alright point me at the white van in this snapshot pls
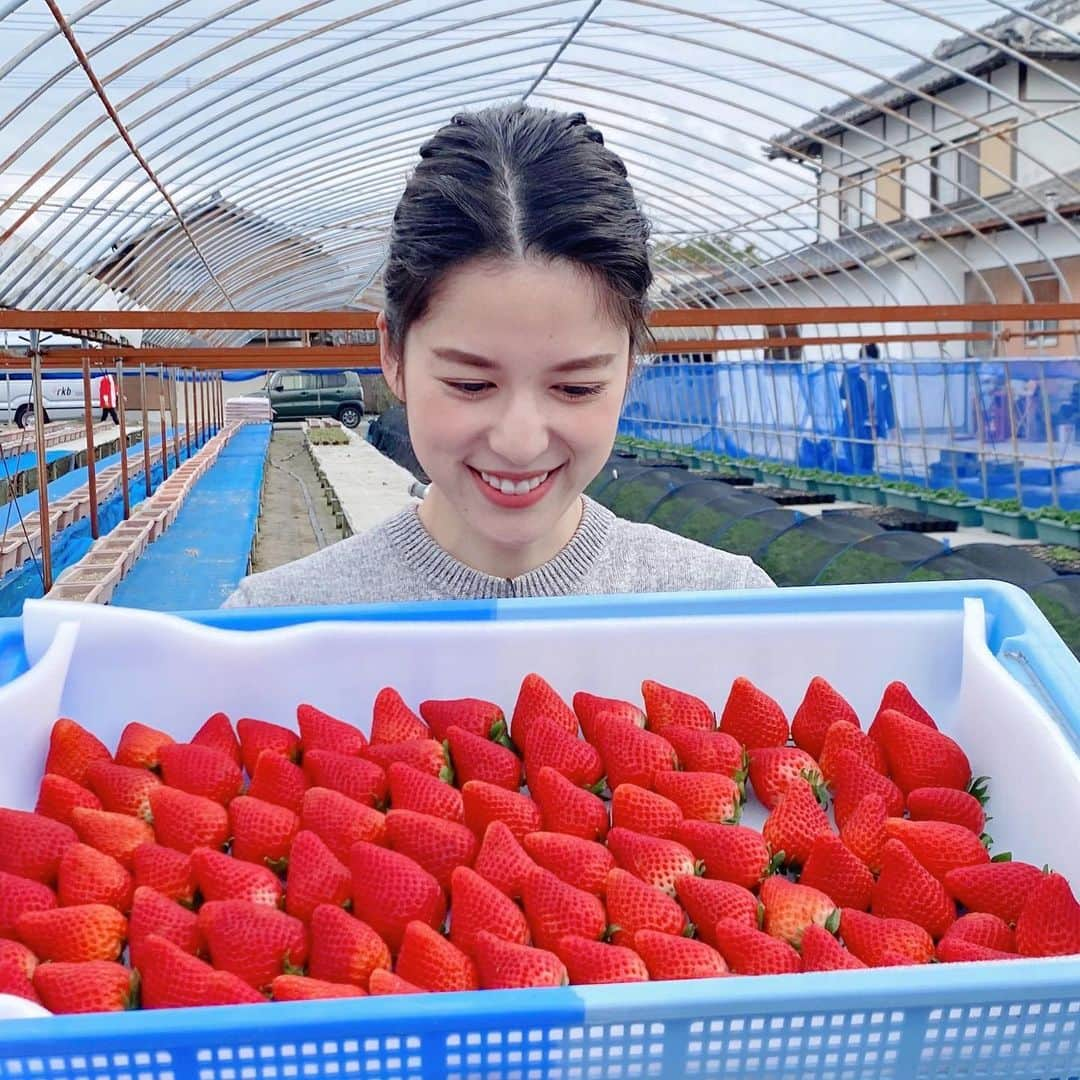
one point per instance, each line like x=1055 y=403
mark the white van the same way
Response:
x=62 y=396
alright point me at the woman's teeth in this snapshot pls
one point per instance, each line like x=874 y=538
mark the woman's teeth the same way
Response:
x=510 y=487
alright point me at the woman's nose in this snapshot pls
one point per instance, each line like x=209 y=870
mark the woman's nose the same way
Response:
x=519 y=433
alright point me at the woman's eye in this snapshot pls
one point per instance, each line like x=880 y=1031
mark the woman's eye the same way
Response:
x=577 y=390
x=470 y=387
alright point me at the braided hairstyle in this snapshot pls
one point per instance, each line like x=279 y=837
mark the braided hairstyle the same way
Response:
x=512 y=182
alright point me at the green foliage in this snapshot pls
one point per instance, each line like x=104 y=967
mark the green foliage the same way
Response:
x=1057 y=515
x=711 y=249
x=327 y=436
x=1005 y=506
x=951 y=496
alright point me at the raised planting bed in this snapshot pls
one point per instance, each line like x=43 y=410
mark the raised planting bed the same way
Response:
x=896 y=517
x=787 y=497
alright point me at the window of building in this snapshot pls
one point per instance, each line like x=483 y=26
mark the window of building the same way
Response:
x=782 y=352
x=857 y=200
x=889 y=191
x=1043 y=333
x=978 y=166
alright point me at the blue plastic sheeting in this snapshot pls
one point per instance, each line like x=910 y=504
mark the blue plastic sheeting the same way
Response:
x=17 y=463
x=200 y=558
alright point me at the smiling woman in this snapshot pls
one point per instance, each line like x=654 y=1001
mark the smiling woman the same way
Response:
x=516 y=286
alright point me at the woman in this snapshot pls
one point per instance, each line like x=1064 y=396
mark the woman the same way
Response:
x=516 y=284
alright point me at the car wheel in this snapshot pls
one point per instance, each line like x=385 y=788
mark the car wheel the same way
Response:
x=349 y=415
x=24 y=416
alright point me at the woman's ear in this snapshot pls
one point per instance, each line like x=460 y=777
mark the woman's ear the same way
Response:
x=389 y=360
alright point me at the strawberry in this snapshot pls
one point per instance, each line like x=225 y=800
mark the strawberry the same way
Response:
x=502 y=861
x=435 y=844
x=582 y=863
x=19 y=894
x=821 y=707
x=390 y=891
x=839 y=873
x=502 y=965
x=953 y=950
x=591 y=962
x=863 y=833
x=822 y=952
x=640 y=810
x=220 y=877
x=795 y=823
x=752 y=717
x=1049 y=922
x=478 y=905
x=259 y=735
x=343 y=949
x=361 y=780
x=947 y=804
x=632 y=755
x=165 y=871
x=31 y=845
x=17 y=964
x=315 y=877
x=566 y=808
x=633 y=905
x=218 y=733
x=427 y=755
x=277 y=780
x=252 y=941
x=881 y=942
x=71 y=750
x=938 y=845
x=485 y=803
x=536 y=697
x=773 y=768
x=86 y=876
x=114 y=834
x=321 y=731
x=475 y=757
x=899 y=698
x=906 y=890
x=139 y=746
x=981 y=928
x=748 y=951
x=667 y=707
x=548 y=744
x=123 y=789
x=383 y=983
x=411 y=789
x=791 y=908
x=553 y=909
x=846 y=737
x=152 y=913
x=852 y=780
x=702 y=796
x=262 y=832
x=91 y=987
x=303 y=988
x=185 y=822
x=483 y=718
x=340 y=821
x=74 y=934
x=1000 y=888
x=658 y=862
x=58 y=796
x=919 y=756
x=707 y=751
x=173 y=979
x=201 y=770
x=707 y=901
x=588 y=707
x=392 y=721
x=431 y=962
x=733 y=853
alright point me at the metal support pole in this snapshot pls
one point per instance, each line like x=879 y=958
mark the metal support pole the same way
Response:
x=195 y=403
x=91 y=455
x=42 y=468
x=121 y=411
x=161 y=423
x=221 y=398
x=147 y=477
x=171 y=398
x=208 y=422
x=187 y=410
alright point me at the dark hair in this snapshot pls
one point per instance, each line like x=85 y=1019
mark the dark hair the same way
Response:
x=869 y=351
x=510 y=182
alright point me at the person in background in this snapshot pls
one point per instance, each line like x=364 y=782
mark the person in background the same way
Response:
x=107 y=398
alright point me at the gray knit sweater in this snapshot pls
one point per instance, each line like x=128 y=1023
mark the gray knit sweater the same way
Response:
x=398 y=560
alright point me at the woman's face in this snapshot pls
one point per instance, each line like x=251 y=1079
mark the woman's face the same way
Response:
x=513 y=381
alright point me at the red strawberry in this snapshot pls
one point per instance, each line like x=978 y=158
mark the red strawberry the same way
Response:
x=702 y=796
x=185 y=822
x=321 y=731
x=431 y=962
x=17 y=964
x=478 y=905
x=838 y=872
x=899 y=698
x=791 y=908
x=261 y=832
x=753 y=952
x=152 y=913
x=536 y=697
x=588 y=707
x=863 y=833
x=752 y=717
x=707 y=751
x=277 y=780
x=1000 y=888
x=953 y=950
x=71 y=750
x=139 y=746
x=938 y=845
x=201 y=770
x=483 y=718
x=1049 y=923
x=947 y=804
x=173 y=979
x=115 y=834
x=74 y=934
x=303 y=988
x=882 y=942
x=502 y=861
x=433 y=843
x=919 y=756
x=730 y=852
x=821 y=707
x=123 y=789
x=220 y=877
x=667 y=707
x=86 y=876
x=340 y=821
x=95 y=986
x=392 y=721
x=383 y=983
x=906 y=890
x=31 y=845
x=547 y=744
x=344 y=949
x=218 y=733
x=411 y=789
x=485 y=803
x=981 y=928
x=707 y=901
x=259 y=735
x=822 y=952
x=568 y=809
x=633 y=905
x=668 y=957
x=846 y=737
x=640 y=810
x=852 y=780
x=796 y=823
x=502 y=965
x=359 y=779
x=658 y=862
x=19 y=894
x=553 y=909
x=591 y=962
x=165 y=871
x=315 y=877
x=582 y=863
x=632 y=755
x=58 y=796
x=427 y=755
x=773 y=768
x=476 y=757
x=252 y=941
x=390 y=891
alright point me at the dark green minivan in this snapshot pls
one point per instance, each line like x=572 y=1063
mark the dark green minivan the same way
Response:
x=295 y=395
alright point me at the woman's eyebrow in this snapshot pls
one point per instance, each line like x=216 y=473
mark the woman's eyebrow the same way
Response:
x=581 y=363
